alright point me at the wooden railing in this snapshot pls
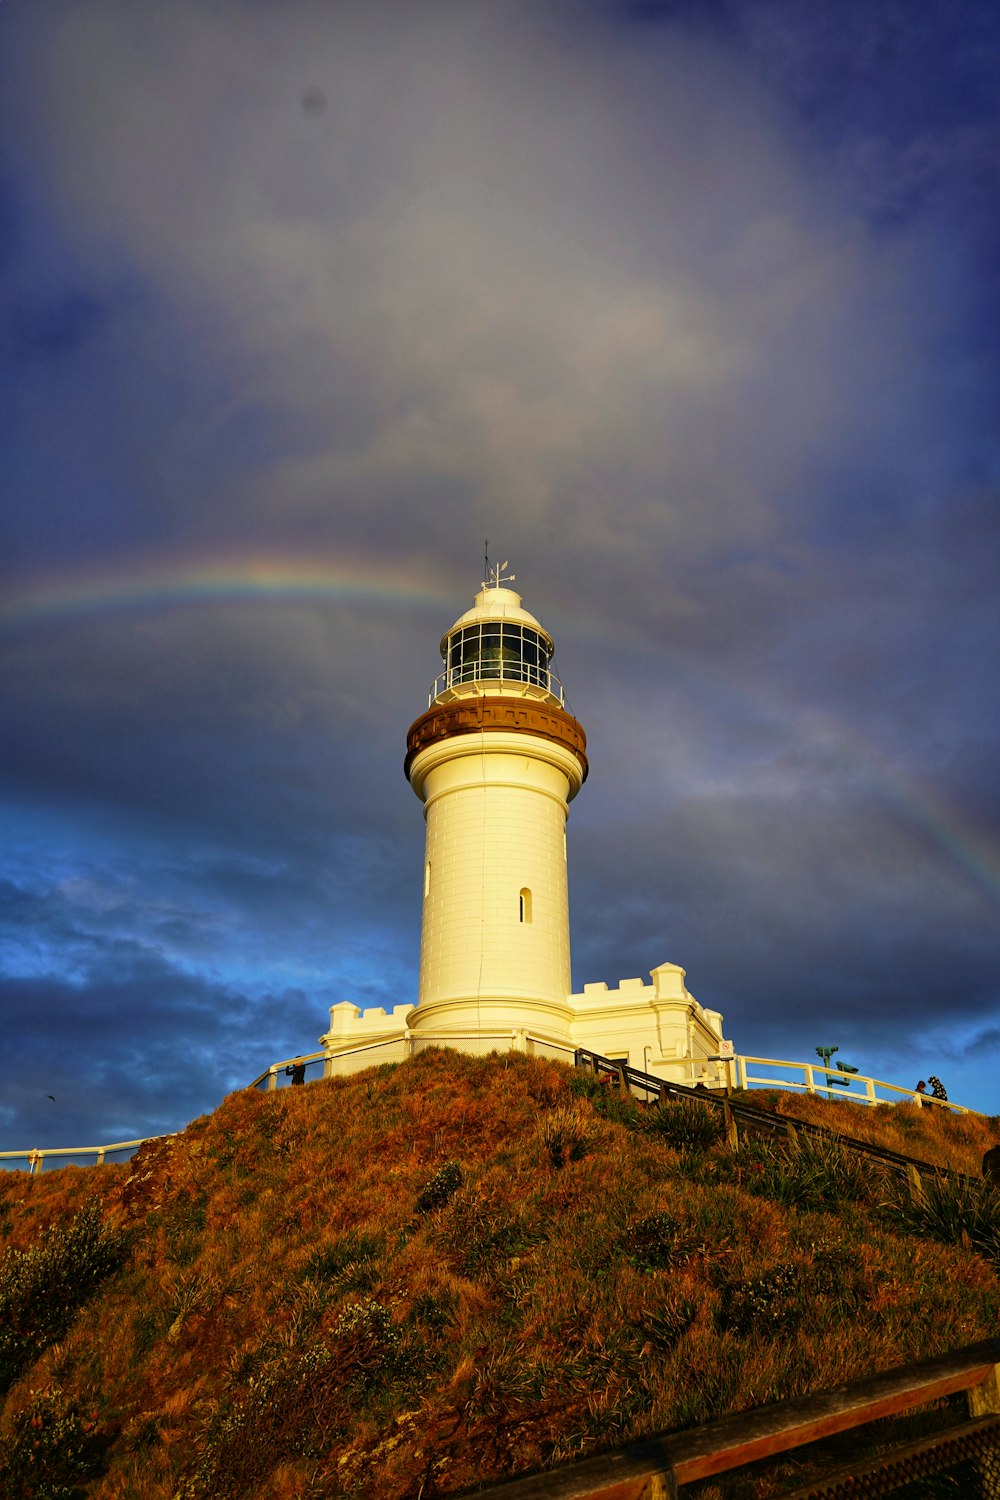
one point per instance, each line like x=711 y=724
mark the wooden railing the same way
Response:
x=655 y=1468
x=738 y=1113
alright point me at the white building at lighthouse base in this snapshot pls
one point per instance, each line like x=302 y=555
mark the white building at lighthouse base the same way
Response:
x=658 y=1027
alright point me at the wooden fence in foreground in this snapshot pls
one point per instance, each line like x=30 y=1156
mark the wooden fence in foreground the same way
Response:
x=657 y=1467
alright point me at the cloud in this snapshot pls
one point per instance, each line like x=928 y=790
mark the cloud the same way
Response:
x=684 y=311
x=108 y=1051
x=565 y=287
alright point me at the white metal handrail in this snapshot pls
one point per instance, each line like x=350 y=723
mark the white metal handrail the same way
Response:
x=271 y=1073
x=37 y=1154
x=742 y=1078
x=739 y=1077
x=409 y=1041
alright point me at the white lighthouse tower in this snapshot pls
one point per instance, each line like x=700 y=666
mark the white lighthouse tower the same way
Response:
x=496 y=760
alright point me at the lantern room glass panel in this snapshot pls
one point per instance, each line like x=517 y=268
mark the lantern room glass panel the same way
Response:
x=496 y=652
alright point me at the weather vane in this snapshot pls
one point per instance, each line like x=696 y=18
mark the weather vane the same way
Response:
x=495 y=576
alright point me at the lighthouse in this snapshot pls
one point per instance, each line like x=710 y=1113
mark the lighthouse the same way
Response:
x=496 y=760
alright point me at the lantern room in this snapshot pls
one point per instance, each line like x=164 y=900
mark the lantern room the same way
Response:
x=497 y=646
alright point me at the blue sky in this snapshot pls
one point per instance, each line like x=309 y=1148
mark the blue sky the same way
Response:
x=692 y=309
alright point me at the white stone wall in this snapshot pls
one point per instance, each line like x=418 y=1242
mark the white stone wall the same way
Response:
x=659 y=1028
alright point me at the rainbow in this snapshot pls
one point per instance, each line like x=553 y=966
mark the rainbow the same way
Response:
x=134 y=586
x=138 y=587
x=917 y=801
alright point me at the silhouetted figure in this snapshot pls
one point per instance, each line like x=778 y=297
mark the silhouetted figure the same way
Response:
x=296 y=1072
x=991 y=1166
x=938 y=1089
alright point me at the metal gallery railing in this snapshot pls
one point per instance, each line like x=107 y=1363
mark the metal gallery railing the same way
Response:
x=408 y=1044
x=314 y=1065
x=513 y=680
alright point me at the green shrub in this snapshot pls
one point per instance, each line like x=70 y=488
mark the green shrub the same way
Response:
x=957 y=1213
x=288 y=1406
x=837 y=1273
x=813 y=1174
x=607 y=1096
x=658 y=1242
x=297 y=1401
x=620 y=1106
x=686 y=1124
x=443 y=1185
x=483 y=1232
x=825 y=1174
x=368 y=1342
x=434 y=1310
x=565 y=1135
x=665 y=1326
x=48 y=1448
x=350 y=1261
x=786 y=1297
x=766 y=1304
x=190 y=1291
x=585 y=1085
x=42 y=1288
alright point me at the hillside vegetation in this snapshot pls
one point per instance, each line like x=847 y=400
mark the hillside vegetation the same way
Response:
x=408 y=1282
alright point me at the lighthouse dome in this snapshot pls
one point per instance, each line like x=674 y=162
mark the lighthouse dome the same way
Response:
x=497 y=647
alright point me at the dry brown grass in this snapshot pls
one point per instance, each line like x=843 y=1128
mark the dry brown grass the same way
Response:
x=289 y=1323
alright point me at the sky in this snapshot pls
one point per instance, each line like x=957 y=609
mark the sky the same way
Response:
x=692 y=310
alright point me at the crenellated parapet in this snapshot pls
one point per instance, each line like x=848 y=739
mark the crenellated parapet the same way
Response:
x=660 y=1026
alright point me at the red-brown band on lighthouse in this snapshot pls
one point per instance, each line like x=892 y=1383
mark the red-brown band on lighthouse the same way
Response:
x=471 y=715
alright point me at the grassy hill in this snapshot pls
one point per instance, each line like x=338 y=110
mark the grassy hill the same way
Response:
x=408 y=1282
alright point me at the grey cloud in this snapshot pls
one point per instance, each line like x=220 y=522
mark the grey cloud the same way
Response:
x=108 y=1050
x=632 y=300
x=501 y=329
